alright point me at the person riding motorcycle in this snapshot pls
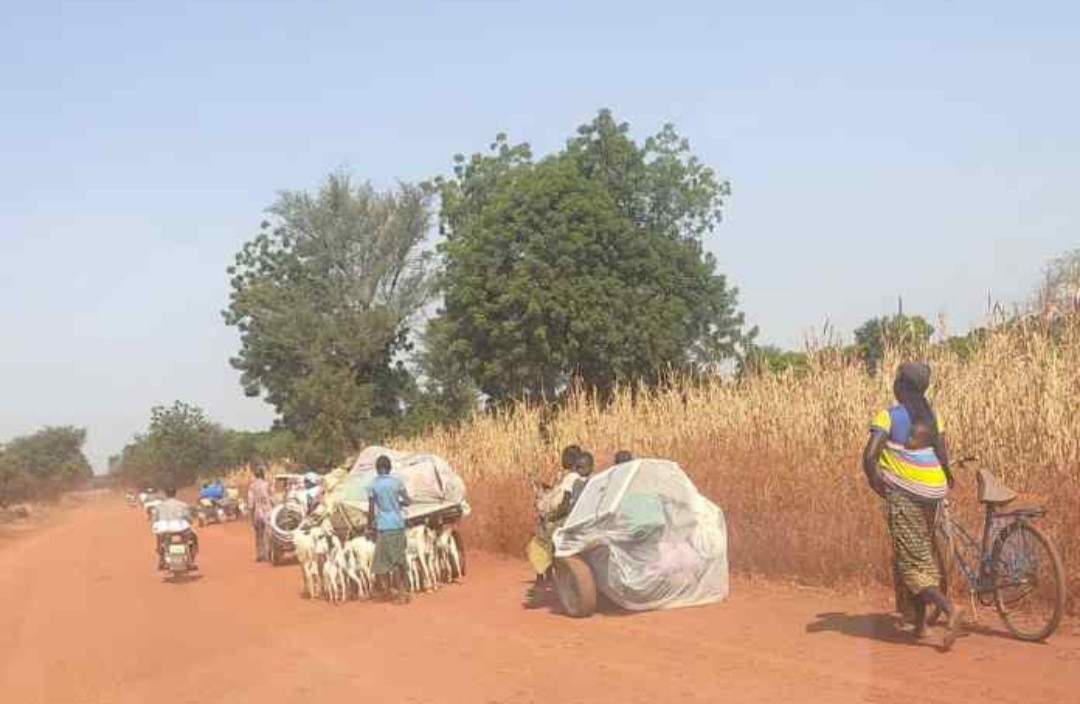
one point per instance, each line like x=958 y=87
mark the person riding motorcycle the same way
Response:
x=553 y=505
x=556 y=506
x=173 y=516
x=213 y=490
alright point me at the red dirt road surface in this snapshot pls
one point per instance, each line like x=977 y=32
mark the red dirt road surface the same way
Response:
x=85 y=618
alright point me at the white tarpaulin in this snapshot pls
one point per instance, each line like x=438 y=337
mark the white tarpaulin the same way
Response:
x=429 y=479
x=652 y=541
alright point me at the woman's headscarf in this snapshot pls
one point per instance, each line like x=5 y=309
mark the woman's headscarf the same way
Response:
x=915 y=376
x=911 y=384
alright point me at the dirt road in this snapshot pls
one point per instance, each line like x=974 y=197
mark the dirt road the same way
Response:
x=85 y=618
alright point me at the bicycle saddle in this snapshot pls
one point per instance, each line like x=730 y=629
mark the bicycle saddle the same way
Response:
x=991 y=491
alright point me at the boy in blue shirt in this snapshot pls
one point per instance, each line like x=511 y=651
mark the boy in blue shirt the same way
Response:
x=386 y=497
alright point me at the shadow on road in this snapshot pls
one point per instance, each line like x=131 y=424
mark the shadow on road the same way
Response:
x=880 y=627
x=541 y=597
x=184 y=579
x=545 y=597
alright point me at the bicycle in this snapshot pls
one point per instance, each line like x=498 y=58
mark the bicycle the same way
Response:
x=1018 y=569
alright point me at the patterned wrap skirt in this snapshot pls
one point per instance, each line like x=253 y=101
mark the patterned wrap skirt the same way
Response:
x=915 y=562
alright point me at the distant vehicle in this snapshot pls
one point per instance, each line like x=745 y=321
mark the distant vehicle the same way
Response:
x=290 y=508
x=285 y=485
x=209 y=511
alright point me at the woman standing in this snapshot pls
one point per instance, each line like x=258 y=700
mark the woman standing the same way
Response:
x=907 y=463
x=261 y=502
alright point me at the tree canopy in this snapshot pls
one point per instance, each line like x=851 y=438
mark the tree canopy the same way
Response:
x=323 y=298
x=43 y=464
x=587 y=264
x=180 y=444
x=770 y=359
x=876 y=335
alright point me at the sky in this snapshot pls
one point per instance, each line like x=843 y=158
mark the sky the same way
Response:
x=928 y=150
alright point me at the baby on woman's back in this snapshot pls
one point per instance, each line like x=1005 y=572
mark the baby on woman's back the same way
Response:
x=920 y=437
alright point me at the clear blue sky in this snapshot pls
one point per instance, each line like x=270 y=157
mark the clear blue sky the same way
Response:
x=139 y=142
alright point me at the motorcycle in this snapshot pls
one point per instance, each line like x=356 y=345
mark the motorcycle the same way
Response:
x=179 y=555
x=209 y=511
x=234 y=506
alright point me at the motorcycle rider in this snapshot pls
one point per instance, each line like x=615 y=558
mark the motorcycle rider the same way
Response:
x=173 y=516
x=550 y=500
x=553 y=505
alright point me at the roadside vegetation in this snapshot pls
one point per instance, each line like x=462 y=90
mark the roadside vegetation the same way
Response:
x=569 y=297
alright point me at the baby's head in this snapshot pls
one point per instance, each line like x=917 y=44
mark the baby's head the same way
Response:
x=921 y=436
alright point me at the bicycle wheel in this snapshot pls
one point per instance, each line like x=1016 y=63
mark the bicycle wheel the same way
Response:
x=1029 y=582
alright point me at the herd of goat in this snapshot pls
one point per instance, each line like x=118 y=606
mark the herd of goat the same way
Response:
x=338 y=571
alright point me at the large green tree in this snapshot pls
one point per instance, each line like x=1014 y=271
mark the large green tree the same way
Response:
x=180 y=444
x=323 y=298
x=43 y=464
x=770 y=359
x=587 y=264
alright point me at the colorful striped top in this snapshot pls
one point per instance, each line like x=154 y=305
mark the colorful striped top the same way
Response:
x=916 y=472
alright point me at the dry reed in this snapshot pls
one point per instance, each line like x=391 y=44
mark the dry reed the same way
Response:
x=780 y=453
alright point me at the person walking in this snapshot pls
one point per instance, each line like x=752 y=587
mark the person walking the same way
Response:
x=386 y=497
x=260 y=501
x=906 y=462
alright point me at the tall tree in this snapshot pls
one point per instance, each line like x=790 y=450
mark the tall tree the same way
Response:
x=445 y=393
x=43 y=464
x=587 y=264
x=762 y=359
x=323 y=298
x=876 y=335
x=181 y=444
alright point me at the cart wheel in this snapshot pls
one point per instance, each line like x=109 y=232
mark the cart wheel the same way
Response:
x=460 y=542
x=576 y=586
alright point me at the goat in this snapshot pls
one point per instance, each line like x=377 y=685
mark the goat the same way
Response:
x=420 y=552
x=311 y=546
x=305 y=545
x=447 y=557
x=333 y=572
x=359 y=553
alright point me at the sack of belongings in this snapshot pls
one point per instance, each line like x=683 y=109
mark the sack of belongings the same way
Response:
x=651 y=540
x=429 y=479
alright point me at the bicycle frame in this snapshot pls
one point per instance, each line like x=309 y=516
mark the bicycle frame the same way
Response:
x=979 y=582
x=962 y=545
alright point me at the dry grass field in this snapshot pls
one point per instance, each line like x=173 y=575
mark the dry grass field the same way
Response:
x=780 y=453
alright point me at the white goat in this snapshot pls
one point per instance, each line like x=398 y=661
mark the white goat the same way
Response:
x=311 y=546
x=304 y=545
x=359 y=553
x=420 y=554
x=447 y=557
x=333 y=571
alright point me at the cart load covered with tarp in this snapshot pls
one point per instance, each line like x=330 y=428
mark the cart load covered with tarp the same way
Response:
x=650 y=540
x=436 y=490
